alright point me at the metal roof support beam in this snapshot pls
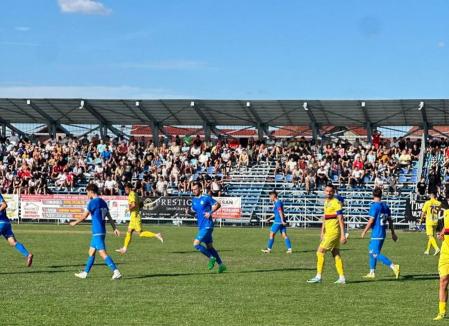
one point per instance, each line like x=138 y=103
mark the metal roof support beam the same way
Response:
x=52 y=124
x=206 y=121
x=425 y=122
x=155 y=128
x=369 y=124
x=313 y=123
x=262 y=129
x=152 y=122
x=3 y=130
x=12 y=128
x=207 y=131
x=102 y=120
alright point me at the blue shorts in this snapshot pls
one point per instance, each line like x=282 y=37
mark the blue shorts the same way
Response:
x=205 y=235
x=275 y=228
x=6 y=230
x=97 y=242
x=375 y=246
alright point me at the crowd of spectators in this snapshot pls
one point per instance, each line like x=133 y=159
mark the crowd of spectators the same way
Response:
x=67 y=164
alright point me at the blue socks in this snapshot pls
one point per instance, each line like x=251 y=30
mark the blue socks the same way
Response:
x=21 y=248
x=110 y=263
x=270 y=243
x=288 y=243
x=89 y=263
x=384 y=260
x=216 y=255
x=203 y=250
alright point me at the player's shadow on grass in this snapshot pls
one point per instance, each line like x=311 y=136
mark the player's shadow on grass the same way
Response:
x=210 y=273
x=404 y=278
x=33 y=272
x=78 y=265
x=193 y=251
x=295 y=269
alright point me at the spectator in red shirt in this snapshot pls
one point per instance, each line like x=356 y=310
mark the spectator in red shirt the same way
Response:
x=376 y=139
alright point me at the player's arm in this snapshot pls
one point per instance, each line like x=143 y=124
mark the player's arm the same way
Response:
x=113 y=224
x=82 y=218
x=341 y=223
x=3 y=206
x=131 y=205
x=393 y=232
x=367 y=227
x=282 y=215
x=215 y=207
x=323 y=230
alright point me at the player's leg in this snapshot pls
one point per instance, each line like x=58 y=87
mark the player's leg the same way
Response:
x=197 y=243
x=431 y=242
x=127 y=240
x=372 y=260
x=149 y=234
x=110 y=263
x=274 y=229
x=89 y=263
x=444 y=280
x=215 y=256
x=385 y=260
x=287 y=242
x=321 y=251
x=6 y=231
x=339 y=266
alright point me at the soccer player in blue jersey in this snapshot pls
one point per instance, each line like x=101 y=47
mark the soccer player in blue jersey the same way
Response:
x=379 y=220
x=99 y=211
x=279 y=224
x=6 y=232
x=204 y=206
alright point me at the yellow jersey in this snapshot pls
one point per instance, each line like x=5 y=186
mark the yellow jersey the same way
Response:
x=332 y=208
x=431 y=209
x=134 y=198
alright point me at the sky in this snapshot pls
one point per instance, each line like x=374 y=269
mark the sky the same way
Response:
x=244 y=49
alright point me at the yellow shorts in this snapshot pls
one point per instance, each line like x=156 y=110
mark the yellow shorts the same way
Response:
x=330 y=241
x=135 y=223
x=430 y=229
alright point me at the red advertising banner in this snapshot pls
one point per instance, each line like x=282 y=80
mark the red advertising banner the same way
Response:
x=231 y=207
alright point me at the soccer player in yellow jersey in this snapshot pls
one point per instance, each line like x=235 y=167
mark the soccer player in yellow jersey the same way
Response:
x=135 y=223
x=332 y=234
x=430 y=213
x=443 y=267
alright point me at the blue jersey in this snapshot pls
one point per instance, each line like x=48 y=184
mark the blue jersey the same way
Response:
x=98 y=210
x=278 y=208
x=201 y=205
x=3 y=217
x=380 y=213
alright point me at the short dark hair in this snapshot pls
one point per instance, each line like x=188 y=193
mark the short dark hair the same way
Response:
x=330 y=185
x=129 y=185
x=94 y=188
x=377 y=192
x=273 y=192
x=198 y=184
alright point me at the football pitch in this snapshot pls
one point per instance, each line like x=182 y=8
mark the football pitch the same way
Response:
x=169 y=284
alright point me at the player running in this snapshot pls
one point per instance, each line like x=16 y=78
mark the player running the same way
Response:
x=279 y=225
x=204 y=206
x=379 y=219
x=135 y=224
x=430 y=212
x=443 y=266
x=332 y=234
x=99 y=211
x=6 y=232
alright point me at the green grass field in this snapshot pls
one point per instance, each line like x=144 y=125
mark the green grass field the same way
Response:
x=169 y=284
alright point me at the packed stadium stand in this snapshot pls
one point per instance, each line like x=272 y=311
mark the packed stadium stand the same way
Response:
x=296 y=147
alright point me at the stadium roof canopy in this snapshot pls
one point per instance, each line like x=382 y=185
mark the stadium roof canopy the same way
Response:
x=258 y=113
